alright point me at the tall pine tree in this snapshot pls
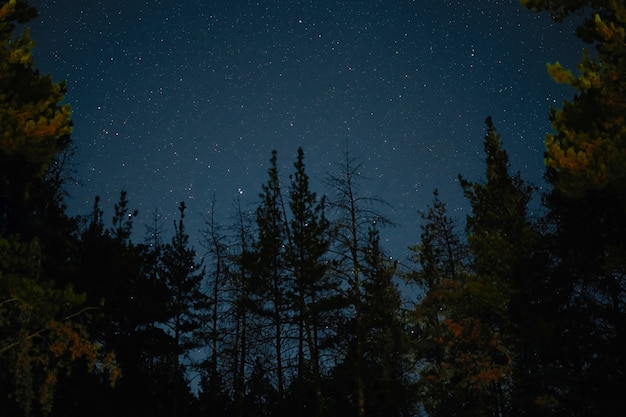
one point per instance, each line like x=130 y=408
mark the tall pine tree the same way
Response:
x=356 y=213
x=386 y=365
x=466 y=322
x=314 y=289
x=40 y=313
x=186 y=306
x=270 y=279
x=441 y=259
x=502 y=242
x=586 y=165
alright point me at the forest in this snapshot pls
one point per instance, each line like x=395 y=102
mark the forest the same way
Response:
x=297 y=310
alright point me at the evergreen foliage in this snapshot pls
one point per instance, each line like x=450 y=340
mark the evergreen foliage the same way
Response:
x=42 y=317
x=586 y=206
x=296 y=309
x=186 y=305
x=314 y=288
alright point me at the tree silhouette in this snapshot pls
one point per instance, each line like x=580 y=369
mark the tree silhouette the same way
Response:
x=41 y=333
x=586 y=158
x=314 y=289
x=356 y=213
x=186 y=305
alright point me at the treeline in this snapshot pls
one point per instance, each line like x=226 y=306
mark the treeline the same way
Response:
x=294 y=308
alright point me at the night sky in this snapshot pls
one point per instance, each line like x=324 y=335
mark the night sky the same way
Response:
x=181 y=100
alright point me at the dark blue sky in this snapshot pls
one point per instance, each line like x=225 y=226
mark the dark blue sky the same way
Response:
x=183 y=100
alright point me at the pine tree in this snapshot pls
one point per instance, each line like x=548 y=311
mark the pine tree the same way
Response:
x=270 y=280
x=356 y=214
x=123 y=219
x=118 y=275
x=588 y=149
x=388 y=388
x=586 y=160
x=498 y=232
x=440 y=253
x=35 y=126
x=314 y=289
x=186 y=306
x=214 y=392
x=466 y=321
x=501 y=241
x=41 y=333
x=240 y=282
x=442 y=260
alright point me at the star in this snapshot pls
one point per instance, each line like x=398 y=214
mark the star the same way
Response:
x=192 y=97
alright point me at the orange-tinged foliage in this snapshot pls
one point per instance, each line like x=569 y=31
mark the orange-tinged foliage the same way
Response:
x=6 y=9
x=455 y=328
x=560 y=74
x=57 y=348
x=39 y=336
x=47 y=339
x=34 y=124
x=68 y=340
x=66 y=343
x=468 y=329
x=488 y=375
x=588 y=150
x=449 y=284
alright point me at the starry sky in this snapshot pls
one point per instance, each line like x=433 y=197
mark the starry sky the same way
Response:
x=184 y=100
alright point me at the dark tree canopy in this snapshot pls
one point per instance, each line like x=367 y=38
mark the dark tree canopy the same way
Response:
x=297 y=308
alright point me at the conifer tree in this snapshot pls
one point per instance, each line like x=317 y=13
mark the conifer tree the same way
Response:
x=356 y=212
x=586 y=164
x=117 y=275
x=123 y=219
x=186 y=306
x=501 y=241
x=442 y=263
x=588 y=149
x=40 y=333
x=35 y=125
x=468 y=329
x=214 y=391
x=388 y=386
x=270 y=280
x=498 y=232
x=240 y=282
x=314 y=289
x=440 y=254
